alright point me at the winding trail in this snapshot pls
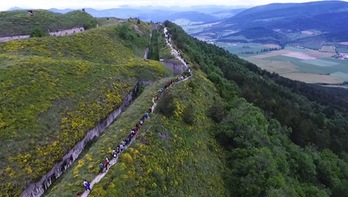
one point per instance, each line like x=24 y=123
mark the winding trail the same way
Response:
x=182 y=78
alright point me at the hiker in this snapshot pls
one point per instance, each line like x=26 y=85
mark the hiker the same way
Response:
x=121 y=147
x=149 y=110
x=132 y=133
x=101 y=167
x=127 y=140
x=141 y=122
x=87 y=185
x=147 y=115
x=106 y=163
x=114 y=153
x=160 y=90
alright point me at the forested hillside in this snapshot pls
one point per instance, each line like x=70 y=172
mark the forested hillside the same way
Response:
x=284 y=145
x=55 y=89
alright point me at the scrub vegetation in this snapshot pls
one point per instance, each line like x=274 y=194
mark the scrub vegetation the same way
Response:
x=55 y=89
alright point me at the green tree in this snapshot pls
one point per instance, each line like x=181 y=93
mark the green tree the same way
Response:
x=38 y=32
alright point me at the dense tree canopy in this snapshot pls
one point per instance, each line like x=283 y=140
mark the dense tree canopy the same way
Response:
x=291 y=141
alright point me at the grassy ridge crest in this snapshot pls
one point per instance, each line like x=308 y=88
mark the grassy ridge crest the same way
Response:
x=23 y=22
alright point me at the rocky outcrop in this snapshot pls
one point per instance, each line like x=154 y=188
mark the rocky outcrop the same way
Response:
x=38 y=188
x=176 y=66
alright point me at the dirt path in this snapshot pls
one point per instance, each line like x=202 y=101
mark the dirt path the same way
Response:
x=113 y=161
x=146 y=53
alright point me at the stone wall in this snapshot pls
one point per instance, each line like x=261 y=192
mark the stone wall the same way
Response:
x=55 y=33
x=67 y=31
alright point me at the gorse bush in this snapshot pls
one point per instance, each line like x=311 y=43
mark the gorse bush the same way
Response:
x=166 y=105
x=188 y=115
x=38 y=33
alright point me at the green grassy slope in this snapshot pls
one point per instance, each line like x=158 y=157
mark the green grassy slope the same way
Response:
x=53 y=90
x=171 y=156
x=21 y=22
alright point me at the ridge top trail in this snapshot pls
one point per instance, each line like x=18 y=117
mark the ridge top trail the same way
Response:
x=182 y=78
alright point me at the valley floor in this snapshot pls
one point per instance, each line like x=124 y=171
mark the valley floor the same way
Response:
x=297 y=63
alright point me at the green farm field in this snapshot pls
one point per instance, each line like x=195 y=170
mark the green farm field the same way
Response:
x=310 y=66
x=245 y=49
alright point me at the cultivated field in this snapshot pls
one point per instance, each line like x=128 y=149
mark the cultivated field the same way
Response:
x=327 y=48
x=246 y=49
x=310 y=66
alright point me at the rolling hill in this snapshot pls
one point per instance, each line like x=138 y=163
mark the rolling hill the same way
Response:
x=232 y=129
x=323 y=17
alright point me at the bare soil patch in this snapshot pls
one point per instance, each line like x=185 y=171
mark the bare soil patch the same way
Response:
x=299 y=55
x=344 y=43
x=327 y=49
x=271 y=54
x=319 y=54
x=274 y=66
x=313 y=78
x=307 y=32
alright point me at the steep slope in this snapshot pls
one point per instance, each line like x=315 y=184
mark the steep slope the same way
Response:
x=264 y=156
x=55 y=89
x=23 y=22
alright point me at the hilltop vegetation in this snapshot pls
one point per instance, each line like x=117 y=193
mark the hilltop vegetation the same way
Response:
x=169 y=157
x=54 y=89
x=23 y=22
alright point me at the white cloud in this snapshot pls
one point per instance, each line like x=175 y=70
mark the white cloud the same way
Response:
x=104 y=4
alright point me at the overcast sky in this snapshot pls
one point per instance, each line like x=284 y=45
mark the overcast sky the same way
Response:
x=104 y=4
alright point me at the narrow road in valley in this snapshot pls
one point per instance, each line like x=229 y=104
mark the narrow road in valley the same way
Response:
x=181 y=78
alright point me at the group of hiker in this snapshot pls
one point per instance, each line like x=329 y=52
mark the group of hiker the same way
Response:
x=103 y=166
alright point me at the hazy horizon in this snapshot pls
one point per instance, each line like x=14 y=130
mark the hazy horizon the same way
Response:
x=108 y=4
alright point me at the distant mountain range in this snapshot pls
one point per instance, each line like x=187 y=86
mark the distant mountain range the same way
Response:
x=327 y=19
x=195 y=14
